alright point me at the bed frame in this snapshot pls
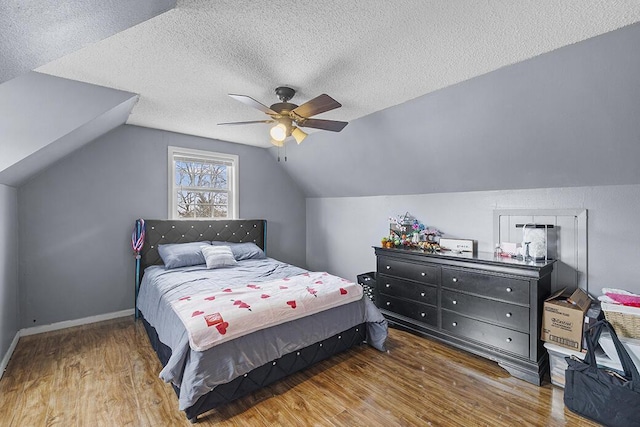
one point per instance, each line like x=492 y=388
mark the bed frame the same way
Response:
x=237 y=231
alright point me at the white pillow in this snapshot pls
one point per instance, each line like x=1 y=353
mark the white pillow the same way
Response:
x=218 y=256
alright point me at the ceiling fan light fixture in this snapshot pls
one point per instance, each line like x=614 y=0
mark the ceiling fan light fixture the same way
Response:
x=288 y=118
x=298 y=134
x=279 y=132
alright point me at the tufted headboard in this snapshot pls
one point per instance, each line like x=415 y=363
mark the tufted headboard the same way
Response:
x=161 y=231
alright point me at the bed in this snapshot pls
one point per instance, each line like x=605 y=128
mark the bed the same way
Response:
x=205 y=377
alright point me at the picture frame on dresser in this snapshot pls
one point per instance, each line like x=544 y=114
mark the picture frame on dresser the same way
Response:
x=487 y=305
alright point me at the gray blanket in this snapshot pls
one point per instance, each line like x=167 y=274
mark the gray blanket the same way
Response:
x=196 y=373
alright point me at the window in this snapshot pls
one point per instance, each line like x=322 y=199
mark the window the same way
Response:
x=202 y=184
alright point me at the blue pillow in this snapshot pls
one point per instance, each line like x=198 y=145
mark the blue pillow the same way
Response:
x=248 y=250
x=176 y=255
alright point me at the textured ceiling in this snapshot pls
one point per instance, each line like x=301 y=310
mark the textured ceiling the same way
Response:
x=368 y=55
x=34 y=32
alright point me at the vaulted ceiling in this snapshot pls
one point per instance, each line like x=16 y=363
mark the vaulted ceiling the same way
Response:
x=368 y=55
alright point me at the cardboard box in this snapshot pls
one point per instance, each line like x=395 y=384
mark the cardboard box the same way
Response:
x=563 y=319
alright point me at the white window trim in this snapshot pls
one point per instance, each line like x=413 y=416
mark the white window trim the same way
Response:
x=234 y=185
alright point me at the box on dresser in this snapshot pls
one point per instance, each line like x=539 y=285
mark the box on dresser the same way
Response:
x=480 y=303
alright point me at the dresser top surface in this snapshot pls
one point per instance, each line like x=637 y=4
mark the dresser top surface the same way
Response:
x=486 y=258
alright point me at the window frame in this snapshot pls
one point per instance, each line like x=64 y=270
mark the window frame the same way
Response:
x=232 y=176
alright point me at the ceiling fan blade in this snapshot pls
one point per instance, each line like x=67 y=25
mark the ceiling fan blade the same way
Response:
x=332 y=125
x=247 y=100
x=247 y=123
x=317 y=105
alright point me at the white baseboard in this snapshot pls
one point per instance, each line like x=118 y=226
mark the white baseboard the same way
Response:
x=7 y=356
x=77 y=322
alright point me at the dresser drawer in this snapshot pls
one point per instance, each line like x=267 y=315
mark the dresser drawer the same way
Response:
x=424 y=313
x=504 y=288
x=501 y=313
x=496 y=336
x=418 y=292
x=407 y=270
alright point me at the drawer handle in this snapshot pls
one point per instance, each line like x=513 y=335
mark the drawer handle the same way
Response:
x=454 y=302
x=508 y=314
x=509 y=290
x=423 y=314
x=422 y=294
x=388 y=303
x=387 y=285
x=454 y=324
x=455 y=279
x=508 y=340
x=388 y=267
x=423 y=274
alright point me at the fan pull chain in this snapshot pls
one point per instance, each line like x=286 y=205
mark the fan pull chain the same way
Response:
x=278 y=154
x=285 y=152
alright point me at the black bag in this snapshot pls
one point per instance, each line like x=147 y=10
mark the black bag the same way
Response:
x=601 y=394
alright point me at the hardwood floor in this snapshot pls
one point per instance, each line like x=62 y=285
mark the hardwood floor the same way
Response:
x=106 y=374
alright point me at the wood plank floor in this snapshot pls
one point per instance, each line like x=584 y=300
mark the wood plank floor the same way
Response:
x=106 y=374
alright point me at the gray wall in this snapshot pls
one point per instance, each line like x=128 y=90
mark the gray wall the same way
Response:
x=341 y=231
x=76 y=219
x=9 y=310
x=558 y=131
x=563 y=119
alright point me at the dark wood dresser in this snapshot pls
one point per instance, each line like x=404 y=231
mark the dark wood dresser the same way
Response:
x=483 y=304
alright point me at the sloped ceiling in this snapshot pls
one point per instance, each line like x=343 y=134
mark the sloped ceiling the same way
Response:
x=369 y=55
x=568 y=118
x=43 y=118
x=35 y=32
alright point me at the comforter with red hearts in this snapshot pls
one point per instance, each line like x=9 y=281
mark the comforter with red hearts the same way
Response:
x=214 y=317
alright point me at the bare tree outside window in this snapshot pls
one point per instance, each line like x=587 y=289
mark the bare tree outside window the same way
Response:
x=202 y=187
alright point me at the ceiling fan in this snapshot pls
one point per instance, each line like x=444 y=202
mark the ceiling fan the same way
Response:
x=289 y=118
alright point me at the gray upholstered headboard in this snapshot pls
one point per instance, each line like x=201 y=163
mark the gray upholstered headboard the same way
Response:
x=162 y=231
